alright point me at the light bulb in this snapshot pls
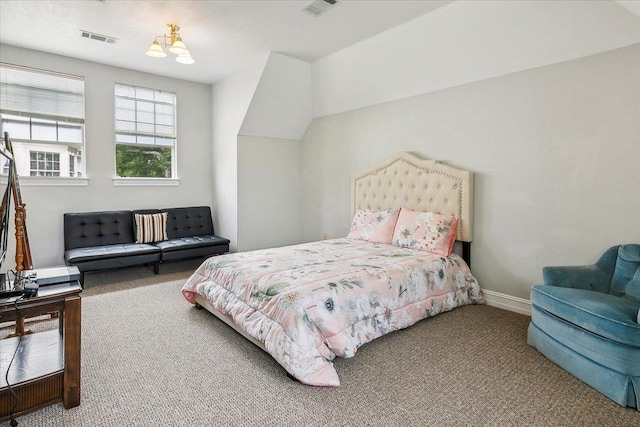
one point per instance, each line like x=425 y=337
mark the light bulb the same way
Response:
x=185 y=58
x=155 y=50
x=178 y=47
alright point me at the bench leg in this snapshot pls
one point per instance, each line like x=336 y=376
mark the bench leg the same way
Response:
x=156 y=268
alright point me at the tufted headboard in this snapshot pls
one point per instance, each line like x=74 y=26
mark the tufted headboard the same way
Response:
x=405 y=180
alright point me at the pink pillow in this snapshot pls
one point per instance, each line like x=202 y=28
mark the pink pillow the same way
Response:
x=374 y=226
x=425 y=231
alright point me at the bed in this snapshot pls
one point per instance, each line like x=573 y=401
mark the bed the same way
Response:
x=306 y=304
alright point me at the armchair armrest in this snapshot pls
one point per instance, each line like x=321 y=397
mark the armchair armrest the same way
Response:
x=587 y=277
x=596 y=277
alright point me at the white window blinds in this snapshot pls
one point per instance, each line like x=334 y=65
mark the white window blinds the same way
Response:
x=145 y=116
x=41 y=94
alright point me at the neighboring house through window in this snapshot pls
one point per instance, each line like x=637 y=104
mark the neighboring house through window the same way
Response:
x=43 y=112
x=145 y=132
x=44 y=163
x=72 y=165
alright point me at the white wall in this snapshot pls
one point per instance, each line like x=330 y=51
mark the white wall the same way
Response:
x=231 y=98
x=269 y=192
x=46 y=205
x=467 y=41
x=269 y=155
x=281 y=104
x=555 y=151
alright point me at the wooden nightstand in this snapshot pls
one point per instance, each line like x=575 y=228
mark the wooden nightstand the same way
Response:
x=46 y=368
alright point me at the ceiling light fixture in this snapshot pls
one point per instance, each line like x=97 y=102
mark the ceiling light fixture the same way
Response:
x=174 y=42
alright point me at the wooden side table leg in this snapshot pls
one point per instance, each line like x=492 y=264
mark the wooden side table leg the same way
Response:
x=72 y=336
x=19 y=328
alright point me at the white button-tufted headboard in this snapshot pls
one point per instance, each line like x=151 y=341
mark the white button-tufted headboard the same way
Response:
x=407 y=181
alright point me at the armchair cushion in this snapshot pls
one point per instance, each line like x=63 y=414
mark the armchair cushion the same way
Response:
x=605 y=315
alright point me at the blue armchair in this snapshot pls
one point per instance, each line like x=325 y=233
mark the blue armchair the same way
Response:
x=586 y=320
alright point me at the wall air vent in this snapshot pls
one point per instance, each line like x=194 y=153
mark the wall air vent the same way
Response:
x=98 y=37
x=319 y=7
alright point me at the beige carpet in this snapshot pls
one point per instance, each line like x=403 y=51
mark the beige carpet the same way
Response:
x=150 y=359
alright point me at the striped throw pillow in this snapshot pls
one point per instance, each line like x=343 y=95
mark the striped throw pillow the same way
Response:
x=151 y=227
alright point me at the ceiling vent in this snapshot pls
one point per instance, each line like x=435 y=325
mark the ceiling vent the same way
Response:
x=319 y=7
x=98 y=37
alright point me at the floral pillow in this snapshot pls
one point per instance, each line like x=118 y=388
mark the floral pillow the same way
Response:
x=374 y=226
x=425 y=231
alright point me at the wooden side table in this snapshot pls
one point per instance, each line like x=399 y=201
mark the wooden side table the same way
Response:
x=46 y=368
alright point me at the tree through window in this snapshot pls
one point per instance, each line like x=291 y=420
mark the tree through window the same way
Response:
x=145 y=124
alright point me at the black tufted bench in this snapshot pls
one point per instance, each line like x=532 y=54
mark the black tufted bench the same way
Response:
x=105 y=240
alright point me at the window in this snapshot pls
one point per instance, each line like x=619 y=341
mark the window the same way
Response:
x=44 y=164
x=44 y=114
x=72 y=165
x=145 y=124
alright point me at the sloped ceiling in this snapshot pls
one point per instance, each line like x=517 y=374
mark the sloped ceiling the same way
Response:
x=222 y=36
x=632 y=5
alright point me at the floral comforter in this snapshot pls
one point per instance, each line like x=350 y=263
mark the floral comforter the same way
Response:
x=312 y=302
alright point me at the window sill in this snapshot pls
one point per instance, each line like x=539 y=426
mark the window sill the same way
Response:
x=146 y=182
x=57 y=181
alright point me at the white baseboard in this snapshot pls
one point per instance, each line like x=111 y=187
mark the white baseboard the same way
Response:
x=507 y=302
